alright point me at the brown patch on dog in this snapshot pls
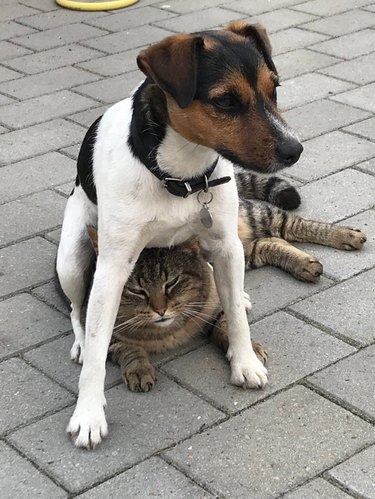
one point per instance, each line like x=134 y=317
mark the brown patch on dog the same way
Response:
x=202 y=124
x=266 y=81
x=237 y=83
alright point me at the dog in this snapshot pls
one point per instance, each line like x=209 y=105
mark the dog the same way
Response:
x=157 y=168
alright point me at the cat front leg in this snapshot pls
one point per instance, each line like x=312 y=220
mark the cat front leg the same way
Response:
x=136 y=369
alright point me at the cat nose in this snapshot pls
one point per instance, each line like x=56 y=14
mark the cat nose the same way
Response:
x=161 y=311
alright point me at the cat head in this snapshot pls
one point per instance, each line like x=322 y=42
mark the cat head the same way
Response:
x=166 y=288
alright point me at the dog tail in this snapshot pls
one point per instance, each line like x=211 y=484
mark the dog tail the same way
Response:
x=272 y=189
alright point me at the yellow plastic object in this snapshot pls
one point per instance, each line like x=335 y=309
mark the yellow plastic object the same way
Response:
x=109 y=5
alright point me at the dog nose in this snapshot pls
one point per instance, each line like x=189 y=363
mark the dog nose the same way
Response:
x=289 y=151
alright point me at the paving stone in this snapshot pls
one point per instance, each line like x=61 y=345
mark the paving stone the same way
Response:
x=21 y=144
x=87 y=118
x=45 y=83
x=342 y=24
x=281 y=19
x=285 y=440
x=19 y=478
x=44 y=108
x=35 y=174
x=113 y=89
x=60 y=17
x=54 y=359
x=324 y=8
x=25 y=321
x=48 y=60
x=25 y=264
x=338 y=196
x=351 y=381
x=286 y=289
x=152 y=478
x=341 y=265
x=360 y=70
x=30 y=215
x=10 y=29
x=258 y=6
x=182 y=7
x=44 y=5
x=349 y=46
x=130 y=39
x=365 y=128
x=295 y=349
x=65 y=189
x=3 y=130
x=345 y=307
x=368 y=166
x=8 y=74
x=212 y=17
x=50 y=294
x=293 y=93
x=27 y=394
x=15 y=10
x=55 y=235
x=56 y=37
x=357 y=473
x=166 y=414
x=5 y=100
x=359 y=97
x=293 y=38
x=72 y=152
x=317 y=159
x=113 y=65
x=316 y=118
x=301 y=61
x=127 y=20
x=9 y=50
x=316 y=489
x=371 y=8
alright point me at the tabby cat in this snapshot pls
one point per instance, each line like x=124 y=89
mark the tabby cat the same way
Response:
x=170 y=297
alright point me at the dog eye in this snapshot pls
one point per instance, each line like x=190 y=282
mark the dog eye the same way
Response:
x=225 y=103
x=169 y=285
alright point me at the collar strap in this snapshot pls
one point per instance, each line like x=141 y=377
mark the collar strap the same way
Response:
x=176 y=186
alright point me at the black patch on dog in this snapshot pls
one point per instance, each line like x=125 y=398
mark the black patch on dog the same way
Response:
x=148 y=121
x=85 y=176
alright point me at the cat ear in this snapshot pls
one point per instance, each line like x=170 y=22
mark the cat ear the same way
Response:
x=93 y=235
x=191 y=245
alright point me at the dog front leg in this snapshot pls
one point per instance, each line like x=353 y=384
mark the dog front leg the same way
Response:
x=88 y=424
x=228 y=263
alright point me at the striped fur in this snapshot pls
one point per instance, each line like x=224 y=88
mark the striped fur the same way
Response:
x=272 y=189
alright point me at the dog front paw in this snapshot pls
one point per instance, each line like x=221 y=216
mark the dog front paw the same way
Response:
x=88 y=426
x=76 y=352
x=247 y=370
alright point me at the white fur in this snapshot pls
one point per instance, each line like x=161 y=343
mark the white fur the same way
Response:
x=135 y=211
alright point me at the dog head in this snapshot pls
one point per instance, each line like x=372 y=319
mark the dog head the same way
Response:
x=220 y=89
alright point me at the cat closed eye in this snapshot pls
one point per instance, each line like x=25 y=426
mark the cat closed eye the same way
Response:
x=138 y=292
x=173 y=282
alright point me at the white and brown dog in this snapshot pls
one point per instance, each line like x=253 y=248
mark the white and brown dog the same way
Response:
x=156 y=169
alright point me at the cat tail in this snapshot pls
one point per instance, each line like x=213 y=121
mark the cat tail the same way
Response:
x=272 y=189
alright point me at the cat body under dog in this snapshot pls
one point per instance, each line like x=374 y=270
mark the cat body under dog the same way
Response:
x=171 y=297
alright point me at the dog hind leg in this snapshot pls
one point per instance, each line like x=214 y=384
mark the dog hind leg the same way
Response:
x=74 y=260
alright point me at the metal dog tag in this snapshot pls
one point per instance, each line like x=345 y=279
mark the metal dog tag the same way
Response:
x=205 y=216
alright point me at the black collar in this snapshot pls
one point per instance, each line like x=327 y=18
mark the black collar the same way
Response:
x=176 y=186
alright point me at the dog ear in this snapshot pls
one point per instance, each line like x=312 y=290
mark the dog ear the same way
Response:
x=259 y=34
x=172 y=64
x=93 y=235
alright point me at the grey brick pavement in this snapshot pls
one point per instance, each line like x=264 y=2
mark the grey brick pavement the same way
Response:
x=311 y=433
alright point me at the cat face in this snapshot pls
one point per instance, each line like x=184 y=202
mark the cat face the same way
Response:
x=166 y=288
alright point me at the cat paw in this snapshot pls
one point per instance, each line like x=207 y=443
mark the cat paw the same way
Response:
x=260 y=352
x=76 y=352
x=247 y=370
x=310 y=270
x=140 y=376
x=350 y=239
x=88 y=426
